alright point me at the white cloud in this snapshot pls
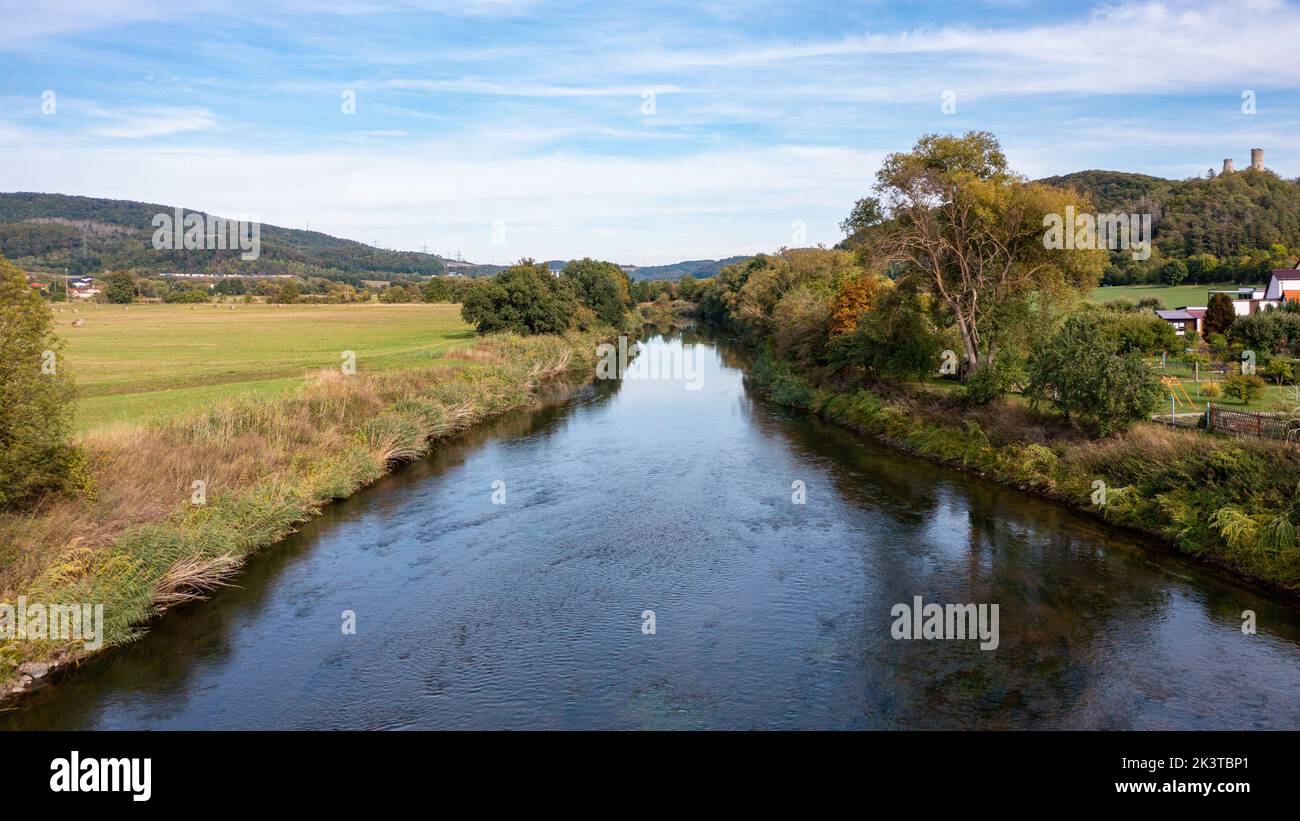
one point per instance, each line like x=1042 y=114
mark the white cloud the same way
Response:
x=1120 y=49
x=706 y=204
x=153 y=122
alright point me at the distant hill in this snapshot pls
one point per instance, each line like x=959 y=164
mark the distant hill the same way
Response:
x=698 y=268
x=1238 y=217
x=1226 y=215
x=1112 y=191
x=87 y=235
x=51 y=232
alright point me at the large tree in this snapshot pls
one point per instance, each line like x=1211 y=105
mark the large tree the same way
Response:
x=602 y=287
x=1219 y=314
x=121 y=288
x=972 y=233
x=525 y=298
x=36 y=452
x=1084 y=372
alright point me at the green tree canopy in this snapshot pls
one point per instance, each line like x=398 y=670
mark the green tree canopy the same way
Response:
x=36 y=452
x=524 y=298
x=1173 y=272
x=1219 y=314
x=972 y=233
x=121 y=288
x=1082 y=373
x=602 y=287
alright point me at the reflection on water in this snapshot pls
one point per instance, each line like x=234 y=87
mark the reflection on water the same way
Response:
x=645 y=496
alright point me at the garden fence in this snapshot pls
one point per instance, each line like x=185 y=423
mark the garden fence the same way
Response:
x=1250 y=423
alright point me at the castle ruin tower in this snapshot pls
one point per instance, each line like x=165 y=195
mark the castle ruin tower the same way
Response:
x=1257 y=159
x=1227 y=167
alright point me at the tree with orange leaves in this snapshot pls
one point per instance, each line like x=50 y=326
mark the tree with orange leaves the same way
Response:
x=856 y=297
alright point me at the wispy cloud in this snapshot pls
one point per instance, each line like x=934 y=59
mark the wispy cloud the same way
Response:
x=593 y=128
x=137 y=124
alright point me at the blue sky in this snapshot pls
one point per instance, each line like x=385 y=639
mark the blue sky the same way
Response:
x=638 y=132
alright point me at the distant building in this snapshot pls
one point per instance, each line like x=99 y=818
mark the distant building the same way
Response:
x=1184 y=321
x=82 y=288
x=1283 y=286
x=1256 y=161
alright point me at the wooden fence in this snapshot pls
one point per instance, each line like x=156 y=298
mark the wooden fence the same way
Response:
x=1250 y=423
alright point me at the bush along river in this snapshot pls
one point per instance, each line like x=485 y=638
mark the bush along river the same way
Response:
x=673 y=553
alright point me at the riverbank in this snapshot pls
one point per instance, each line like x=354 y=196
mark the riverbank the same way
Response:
x=172 y=509
x=1230 y=502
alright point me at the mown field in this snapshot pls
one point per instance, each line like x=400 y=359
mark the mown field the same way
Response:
x=157 y=361
x=1173 y=296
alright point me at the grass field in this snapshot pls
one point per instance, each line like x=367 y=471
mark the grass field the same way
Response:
x=1275 y=399
x=1173 y=296
x=155 y=361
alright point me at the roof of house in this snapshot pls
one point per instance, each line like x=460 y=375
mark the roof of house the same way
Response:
x=1291 y=276
x=1179 y=314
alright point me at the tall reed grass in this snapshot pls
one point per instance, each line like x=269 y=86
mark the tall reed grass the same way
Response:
x=138 y=543
x=1233 y=502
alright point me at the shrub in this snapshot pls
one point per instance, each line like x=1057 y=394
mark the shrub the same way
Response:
x=1267 y=331
x=855 y=297
x=800 y=320
x=437 y=290
x=1279 y=371
x=994 y=381
x=288 y=293
x=395 y=294
x=894 y=341
x=1246 y=387
x=1081 y=372
x=1142 y=333
x=1211 y=390
x=186 y=295
x=36 y=452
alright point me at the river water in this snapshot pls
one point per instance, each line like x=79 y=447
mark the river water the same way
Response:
x=640 y=495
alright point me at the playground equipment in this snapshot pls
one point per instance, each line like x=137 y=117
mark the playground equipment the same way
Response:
x=1176 y=388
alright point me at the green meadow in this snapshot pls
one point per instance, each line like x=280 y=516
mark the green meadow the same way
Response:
x=156 y=361
x=1173 y=296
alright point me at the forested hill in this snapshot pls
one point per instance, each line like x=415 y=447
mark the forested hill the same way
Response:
x=698 y=268
x=51 y=232
x=1227 y=215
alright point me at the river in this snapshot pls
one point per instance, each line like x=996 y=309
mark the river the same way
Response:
x=640 y=495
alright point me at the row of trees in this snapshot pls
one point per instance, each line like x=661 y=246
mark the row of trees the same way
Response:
x=951 y=273
x=1199 y=269
x=527 y=298
x=122 y=287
